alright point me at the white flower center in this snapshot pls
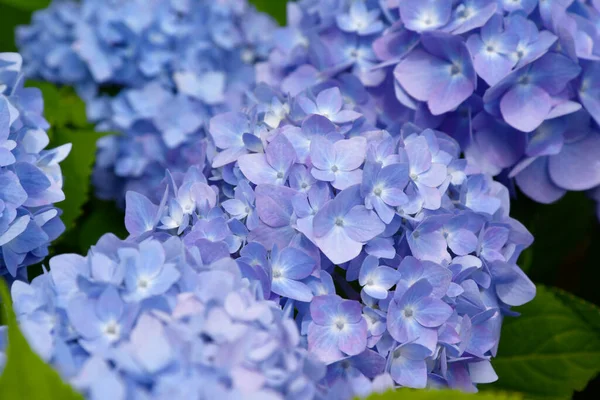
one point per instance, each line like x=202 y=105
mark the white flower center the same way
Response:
x=143 y=283
x=112 y=330
x=340 y=323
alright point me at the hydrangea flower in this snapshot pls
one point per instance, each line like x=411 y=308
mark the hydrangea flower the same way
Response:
x=155 y=74
x=47 y=45
x=430 y=266
x=337 y=328
x=538 y=64
x=30 y=175
x=341 y=172
x=167 y=323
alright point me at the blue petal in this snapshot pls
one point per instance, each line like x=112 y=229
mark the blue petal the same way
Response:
x=140 y=214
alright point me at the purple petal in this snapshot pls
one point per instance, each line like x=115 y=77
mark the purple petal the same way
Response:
x=350 y=154
x=394 y=45
x=208 y=87
x=477 y=18
x=81 y=314
x=462 y=242
x=424 y=15
x=140 y=213
x=418 y=154
x=227 y=129
x=353 y=338
x=151 y=346
x=493 y=67
x=394 y=176
x=317 y=125
x=307 y=105
x=345 y=116
x=431 y=312
x=293 y=289
x=535 y=182
x=420 y=72
x=274 y=204
x=577 y=166
x=295 y=264
x=399 y=327
x=450 y=92
x=330 y=100
x=324 y=309
x=411 y=269
x=323 y=343
x=109 y=305
x=345 y=179
x=482 y=372
x=269 y=236
x=302 y=78
x=228 y=156
x=338 y=246
x=512 y=285
x=337 y=208
x=281 y=154
x=167 y=277
x=430 y=246
x=385 y=212
x=370 y=363
x=416 y=292
x=409 y=373
x=553 y=71
x=525 y=107
x=362 y=225
x=369 y=265
x=256 y=168
x=434 y=176
x=322 y=153
x=323 y=175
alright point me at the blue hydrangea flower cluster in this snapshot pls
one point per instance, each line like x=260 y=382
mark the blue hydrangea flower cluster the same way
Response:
x=517 y=83
x=153 y=320
x=30 y=176
x=155 y=73
x=308 y=196
x=346 y=211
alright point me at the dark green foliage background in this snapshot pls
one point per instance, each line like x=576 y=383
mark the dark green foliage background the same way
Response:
x=551 y=352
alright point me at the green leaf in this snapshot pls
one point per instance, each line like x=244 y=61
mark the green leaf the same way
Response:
x=409 y=394
x=276 y=8
x=76 y=169
x=10 y=17
x=26 y=5
x=552 y=349
x=26 y=375
x=62 y=107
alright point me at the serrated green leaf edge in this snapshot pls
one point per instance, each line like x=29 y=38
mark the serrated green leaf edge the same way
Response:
x=411 y=394
x=26 y=376
x=552 y=349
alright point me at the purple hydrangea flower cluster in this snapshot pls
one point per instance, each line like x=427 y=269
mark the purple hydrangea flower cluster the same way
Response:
x=517 y=83
x=153 y=72
x=307 y=195
x=150 y=320
x=30 y=176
